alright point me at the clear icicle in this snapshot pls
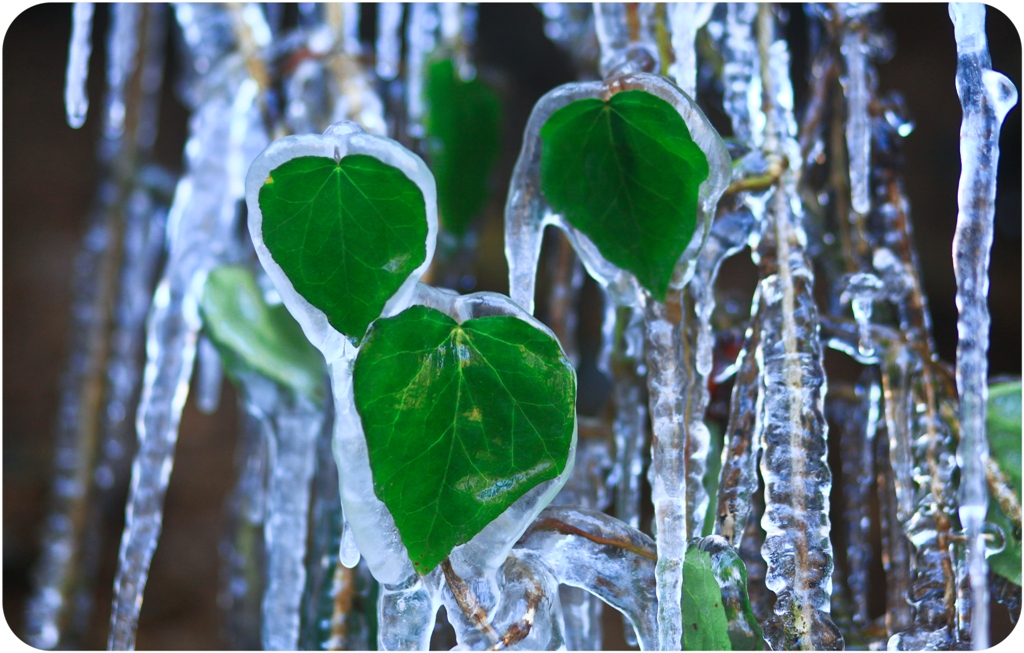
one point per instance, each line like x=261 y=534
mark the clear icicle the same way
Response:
x=729 y=234
x=595 y=552
x=742 y=88
x=685 y=18
x=210 y=376
x=420 y=40
x=243 y=555
x=861 y=290
x=122 y=51
x=624 y=330
x=226 y=133
x=986 y=96
x=290 y=427
x=389 y=40
x=76 y=98
x=858 y=129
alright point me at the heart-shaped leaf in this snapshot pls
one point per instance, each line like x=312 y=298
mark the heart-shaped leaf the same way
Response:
x=463 y=140
x=347 y=233
x=251 y=335
x=626 y=173
x=705 y=626
x=460 y=421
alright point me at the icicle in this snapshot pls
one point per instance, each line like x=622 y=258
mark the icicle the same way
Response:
x=389 y=41
x=858 y=445
x=76 y=98
x=729 y=234
x=563 y=302
x=742 y=87
x=685 y=19
x=243 y=554
x=420 y=40
x=122 y=51
x=290 y=431
x=623 y=332
x=225 y=134
x=895 y=545
x=861 y=290
x=858 y=95
x=210 y=376
x=600 y=554
x=986 y=97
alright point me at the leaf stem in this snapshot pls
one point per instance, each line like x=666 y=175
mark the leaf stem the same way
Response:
x=469 y=604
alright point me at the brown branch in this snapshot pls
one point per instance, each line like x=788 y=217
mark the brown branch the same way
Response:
x=468 y=603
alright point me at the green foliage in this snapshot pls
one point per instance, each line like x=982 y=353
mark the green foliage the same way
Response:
x=463 y=141
x=250 y=335
x=705 y=626
x=347 y=233
x=1003 y=424
x=626 y=173
x=460 y=421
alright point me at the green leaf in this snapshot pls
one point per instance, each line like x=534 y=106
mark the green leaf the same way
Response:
x=251 y=335
x=705 y=626
x=460 y=421
x=463 y=141
x=347 y=233
x=626 y=173
x=731 y=575
x=1003 y=423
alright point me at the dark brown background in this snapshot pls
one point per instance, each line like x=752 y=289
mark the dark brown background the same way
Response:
x=49 y=178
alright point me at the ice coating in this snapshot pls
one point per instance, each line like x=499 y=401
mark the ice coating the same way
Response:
x=986 y=96
x=625 y=48
x=227 y=127
x=742 y=87
x=797 y=479
x=340 y=140
x=122 y=58
x=600 y=554
x=685 y=18
x=210 y=376
x=389 y=43
x=527 y=211
x=861 y=290
x=738 y=480
x=76 y=98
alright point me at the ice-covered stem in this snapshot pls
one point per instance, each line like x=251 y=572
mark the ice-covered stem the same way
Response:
x=739 y=54
x=405 y=613
x=468 y=603
x=668 y=460
x=686 y=18
x=738 y=480
x=76 y=98
x=225 y=134
x=794 y=466
x=986 y=96
x=563 y=301
x=598 y=553
x=627 y=37
x=389 y=40
x=420 y=39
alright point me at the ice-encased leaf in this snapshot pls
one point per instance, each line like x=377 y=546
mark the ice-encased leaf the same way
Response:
x=626 y=173
x=1003 y=423
x=460 y=421
x=249 y=334
x=347 y=232
x=705 y=627
x=463 y=141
